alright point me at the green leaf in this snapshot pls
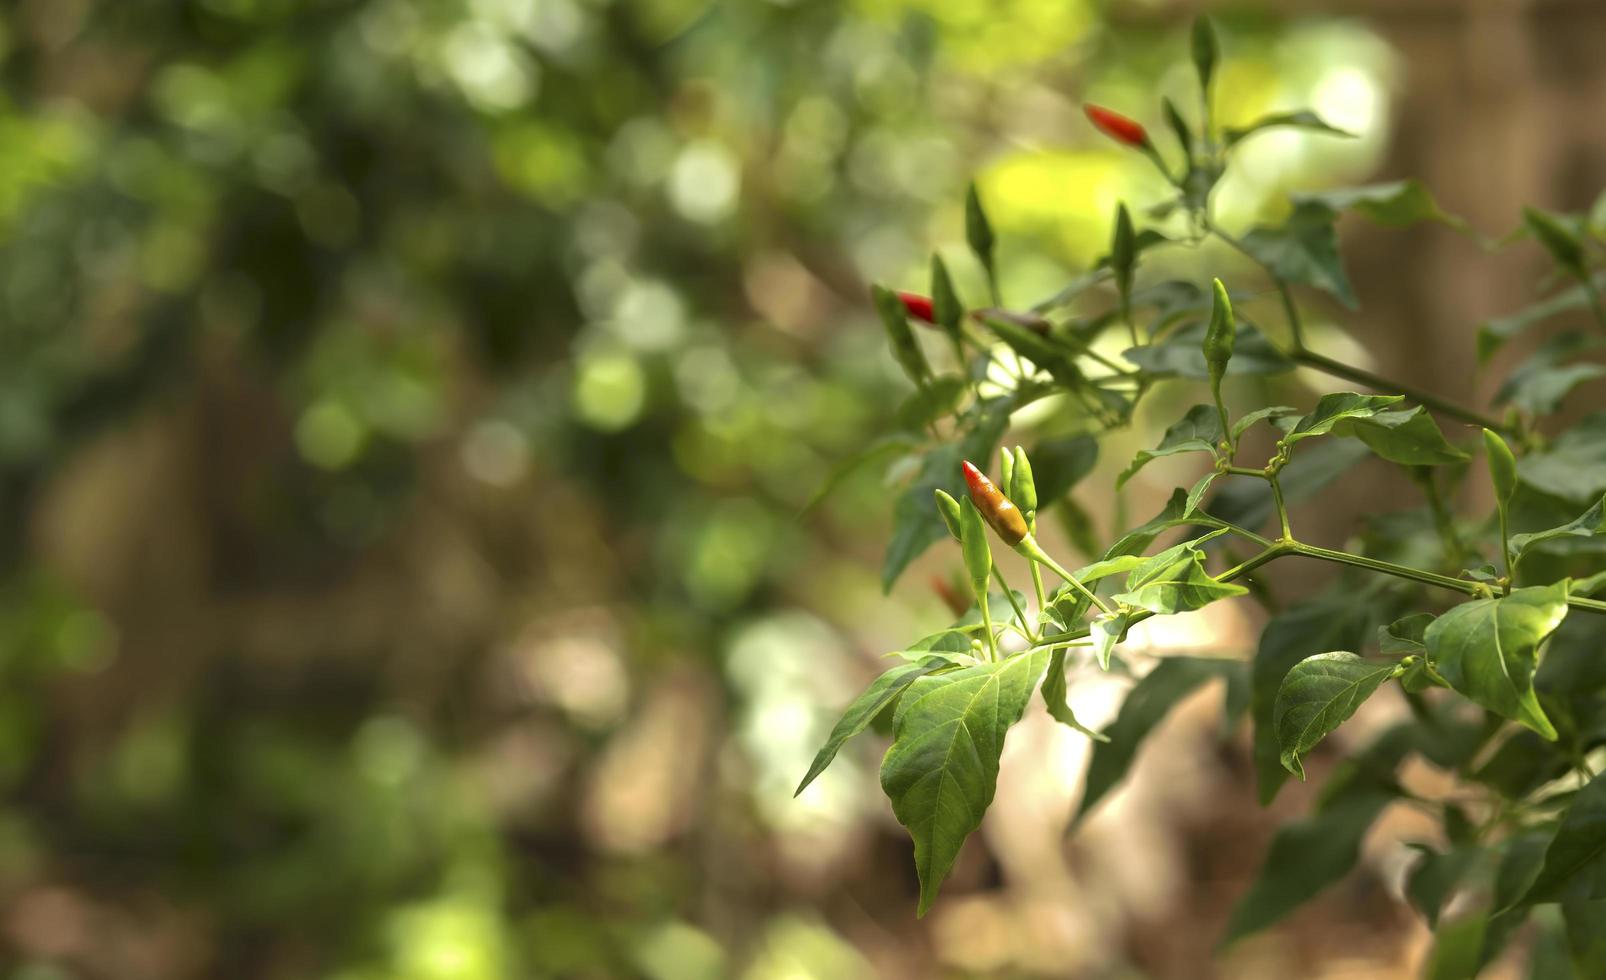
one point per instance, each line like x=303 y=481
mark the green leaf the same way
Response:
x=1135 y=541
x=1308 y=855
x=1560 y=241
x=1574 y=466
x=1339 y=407
x=1494 y=333
x=895 y=319
x=1540 y=383
x=1043 y=351
x=1197 y=432
x=1179 y=585
x=936 y=400
x=1394 y=205
x=1575 y=861
x=1179 y=126
x=1059 y=464
x=946 y=306
x=916 y=525
x=1409 y=437
x=1197 y=492
x=1054 y=696
x=1270 y=414
x=1487 y=649
x=1206 y=51
x=1586 y=525
x=1302 y=119
x=1457 y=948
x=978 y=230
x=1302 y=631
x=1248 y=503
x=1435 y=875
x=1146 y=705
x=1319 y=694
x=1105 y=632
x=1586 y=935
x=1405 y=636
x=883 y=691
x=884 y=448
x=1123 y=251
x=1182 y=354
x=942 y=769
x=1304 y=250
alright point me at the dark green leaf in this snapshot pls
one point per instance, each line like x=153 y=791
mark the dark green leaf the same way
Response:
x=1409 y=437
x=1248 y=503
x=1206 y=51
x=1123 y=251
x=1586 y=525
x=1435 y=875
x=934 y=401
x=1197 y=491
x=885 y=690
x=884 y=448
x=1179 y=126
x=1135 y=541
x=1395 y=205
x=916 y=525
x=1539 y=384
x=1574 y=466
x=895 y=319
x=1146 y=705
x=978 y=230
x=1404 y=637
x=1303 y=631
x=1457 y=948
x=1338 y=407
x=1575 y=861
x=1559 y=240
x=1586 y=936
x=1308 y=855
x=1304 y=250
x=1197 y=432
x=946 y=306
x=1318 y=694
x=1054 y=696
x=1182 y=354
x=1494 y=333
x=1487 y=649
x=942 y=769
x=1059 y=464
x=1302 y=119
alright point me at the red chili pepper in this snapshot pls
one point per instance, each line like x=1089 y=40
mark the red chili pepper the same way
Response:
x=951 y=597
x=918 y=306
x=1116 y=126
x=996 y=509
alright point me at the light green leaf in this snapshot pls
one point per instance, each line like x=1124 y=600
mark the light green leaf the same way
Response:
x=883 y=691
x=1105 y=632
x=1586 y=525
x=1175 y=583
x=1457 y=948
x=1575 y=861
x=1302 y=119
x=1054 y=696
x=1197 y=431
x=1196 y=494
x=1409 y=437
x=1502 y=468
x=1487 y=649
x=1319 y=694
x=1146 y=705
x=1339 y=407
x=942 y=769
x=1404 y=636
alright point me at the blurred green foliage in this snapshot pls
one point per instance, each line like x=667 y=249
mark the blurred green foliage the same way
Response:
x=456 y=319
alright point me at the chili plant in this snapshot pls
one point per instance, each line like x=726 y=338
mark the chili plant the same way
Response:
x=1484 y=623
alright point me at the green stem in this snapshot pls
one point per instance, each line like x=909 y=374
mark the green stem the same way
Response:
x=1282 y=508
x=1505 y=547
x=1226 y=424
x=1020 y=614
x=987 y=623
x=1037 y=583
x=1389 y=568
x=1034 y=552
x=1339 y=369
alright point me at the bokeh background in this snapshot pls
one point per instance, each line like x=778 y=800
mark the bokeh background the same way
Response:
x=407 y=413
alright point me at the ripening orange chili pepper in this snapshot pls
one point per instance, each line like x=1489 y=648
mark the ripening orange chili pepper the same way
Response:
x=918 y=306
x=1116 y=126
x=996 y=509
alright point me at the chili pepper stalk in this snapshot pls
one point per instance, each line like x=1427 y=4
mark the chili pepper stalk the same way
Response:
x=1128 y=132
